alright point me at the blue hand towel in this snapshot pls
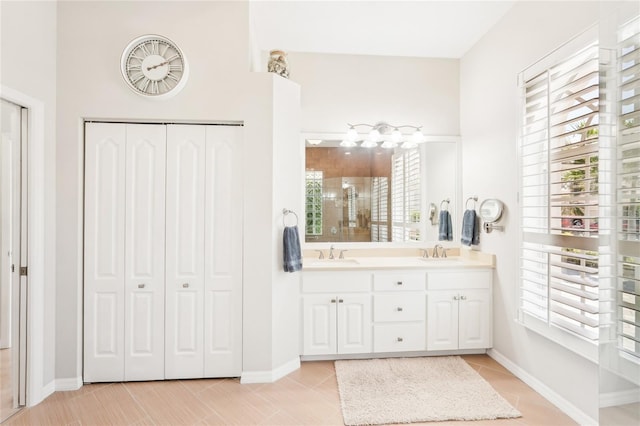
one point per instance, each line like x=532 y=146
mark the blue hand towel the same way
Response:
x=445 y=230
x=470 y=228
x=292 y=256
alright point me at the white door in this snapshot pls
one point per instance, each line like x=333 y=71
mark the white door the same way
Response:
x=223 y=252
x=475 y=319
x=354 y=324
x=104 y=269
x=185 y=249
x=144 y=252
x=442 y=320
x=319 y=324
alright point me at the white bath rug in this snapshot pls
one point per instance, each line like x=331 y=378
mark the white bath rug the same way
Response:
x=406 y=390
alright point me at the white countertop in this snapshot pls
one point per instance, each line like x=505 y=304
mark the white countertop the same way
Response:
x=463 y=259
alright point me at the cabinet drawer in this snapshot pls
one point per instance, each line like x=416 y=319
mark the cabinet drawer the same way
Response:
x=449 y=280
x=398 y=337
x=398 y=281
x=402 y=306
x=336 y=282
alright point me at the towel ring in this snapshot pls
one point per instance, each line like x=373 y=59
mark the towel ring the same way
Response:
x=474 y=198
x=285 y=212
x=443 y=202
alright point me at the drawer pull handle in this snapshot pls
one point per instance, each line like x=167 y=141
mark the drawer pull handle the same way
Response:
x=333 y=300
x=399 y=309
x=185 y=285
x=140 y=285
x=463 y=297
x=340 y=301
x=399 y=283
x=400 y=339
x=455 y=298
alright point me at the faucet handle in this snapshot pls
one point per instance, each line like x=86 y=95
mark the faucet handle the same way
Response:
x=444 y=252
x=342 y=254
x=321 y=256
x=425 y=253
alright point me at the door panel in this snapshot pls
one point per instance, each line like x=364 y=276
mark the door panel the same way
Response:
x=223 y=252
x=442 y=320
x=104 y=247
x=475 y=319
x=144 y=251
x=354 y=324
x=319 y=324
x=184 y=338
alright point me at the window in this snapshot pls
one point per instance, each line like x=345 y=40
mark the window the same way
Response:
x=379 y=209
x=313 y=202
x=559 y=204
x=628 y=186
x=405 y=195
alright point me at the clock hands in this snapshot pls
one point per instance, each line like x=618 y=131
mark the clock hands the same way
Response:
x=156 y=66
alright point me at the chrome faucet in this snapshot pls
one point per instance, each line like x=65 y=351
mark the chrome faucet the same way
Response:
x=331 y=256
x=435 y=251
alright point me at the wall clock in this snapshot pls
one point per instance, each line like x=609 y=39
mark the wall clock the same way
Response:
x=153 y=66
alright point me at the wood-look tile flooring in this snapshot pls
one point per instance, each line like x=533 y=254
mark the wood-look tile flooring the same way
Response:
x=308 y=396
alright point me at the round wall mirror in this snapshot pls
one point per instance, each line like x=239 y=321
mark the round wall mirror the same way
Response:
x=491 y=210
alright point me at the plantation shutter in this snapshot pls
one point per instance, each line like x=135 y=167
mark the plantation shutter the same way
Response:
x=628 y=185
x=559 y=195
x=405 y=195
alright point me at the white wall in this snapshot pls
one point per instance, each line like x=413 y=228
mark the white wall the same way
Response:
x=489 y=105
x=215 y=38
x=28 y=66
x=340 y=89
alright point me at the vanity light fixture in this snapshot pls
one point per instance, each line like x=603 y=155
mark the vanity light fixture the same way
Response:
x=388 y=134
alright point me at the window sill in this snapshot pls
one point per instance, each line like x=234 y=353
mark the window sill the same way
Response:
x=580 y=346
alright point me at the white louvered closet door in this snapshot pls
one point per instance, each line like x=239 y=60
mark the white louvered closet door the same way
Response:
x=223 y=252
x=124 y=252
x=144 y=252
x=185 y=269
x=104 y=252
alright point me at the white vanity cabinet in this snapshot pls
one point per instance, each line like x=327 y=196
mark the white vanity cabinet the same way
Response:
x=459 y=310
x=399 y=311
x=336 y=315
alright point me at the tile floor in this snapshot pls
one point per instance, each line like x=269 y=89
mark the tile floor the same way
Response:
x=308 y=396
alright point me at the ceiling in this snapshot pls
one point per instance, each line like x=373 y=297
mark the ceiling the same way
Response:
x=436 y=29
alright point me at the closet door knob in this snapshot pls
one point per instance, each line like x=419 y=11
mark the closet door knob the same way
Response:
x=399 y=339
x=399 y=282
x=185 y=285
x=333 y=300
x=399 y=309
x=140 y=285
x=340 y=301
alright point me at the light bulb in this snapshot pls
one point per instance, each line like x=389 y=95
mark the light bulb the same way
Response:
x=396 y=136
x=374 y=135
x=352 y=134
x=368 y=144
x=389 y=144
x=418 y=137
x=409 y=144
x=314 y=141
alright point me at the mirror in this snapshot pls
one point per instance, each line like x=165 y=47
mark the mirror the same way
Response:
x=377 y=195
x=491 y=210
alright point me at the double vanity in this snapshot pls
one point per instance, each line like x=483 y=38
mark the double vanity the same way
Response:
x=386 y=302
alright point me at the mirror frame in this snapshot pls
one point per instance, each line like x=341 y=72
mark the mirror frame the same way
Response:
x=490 y=203
x=455 y=199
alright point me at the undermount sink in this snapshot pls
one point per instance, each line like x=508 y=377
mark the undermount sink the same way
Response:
x=330 y=262
x=440 y=259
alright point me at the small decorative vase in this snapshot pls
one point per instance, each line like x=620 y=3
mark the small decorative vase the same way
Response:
x=278 y=63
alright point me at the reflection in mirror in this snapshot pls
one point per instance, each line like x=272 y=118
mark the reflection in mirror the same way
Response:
x=355 y=194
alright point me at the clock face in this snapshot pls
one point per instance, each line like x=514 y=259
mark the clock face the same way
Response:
x=154 y=66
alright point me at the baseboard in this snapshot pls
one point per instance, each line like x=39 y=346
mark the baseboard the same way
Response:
x=270 y=376
x=47 y=390
x=613 y=399
x=556 y=399
x=70 y=384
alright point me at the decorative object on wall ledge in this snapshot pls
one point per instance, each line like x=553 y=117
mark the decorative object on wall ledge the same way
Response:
x=491 y=212
x=278 y=63
x=388 y=134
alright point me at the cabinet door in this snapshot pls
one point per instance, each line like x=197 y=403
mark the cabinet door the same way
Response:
x=442 y=320
x=354 y=324
x=184 y=334
x=223 y=252
x=319 y=324
x=475 y=319
x=104 y=252
x=144 y=252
